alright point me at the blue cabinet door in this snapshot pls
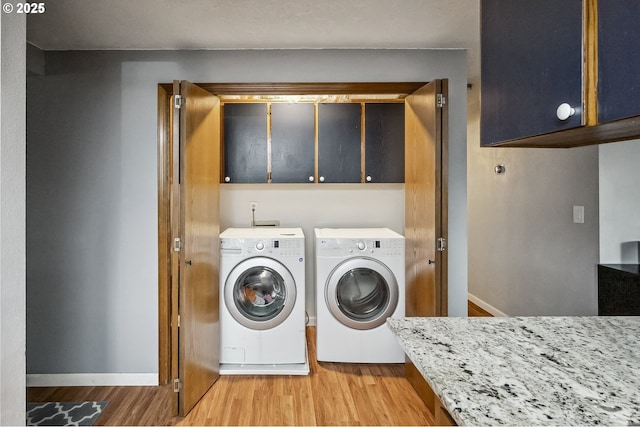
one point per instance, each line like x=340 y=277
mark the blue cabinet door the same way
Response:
x=339 y=143
x=618 y=59
x=292 y=143
x=531 y=63
x=245 y=143
x=384 y=142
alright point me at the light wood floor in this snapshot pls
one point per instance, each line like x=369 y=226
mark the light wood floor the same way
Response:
x=333 y=394
x=475 y=311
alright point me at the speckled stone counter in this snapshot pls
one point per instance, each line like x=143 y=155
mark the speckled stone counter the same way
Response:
x=529 y=370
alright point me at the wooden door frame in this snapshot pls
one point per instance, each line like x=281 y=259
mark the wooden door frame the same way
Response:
x=164 y=234
x=166 y=345
x=442 y=214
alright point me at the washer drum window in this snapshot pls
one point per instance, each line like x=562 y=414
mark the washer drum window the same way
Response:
x=260 y=293
x=361 y=293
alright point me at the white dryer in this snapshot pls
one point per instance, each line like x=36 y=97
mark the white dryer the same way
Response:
x=262 y=301
x=360 y=282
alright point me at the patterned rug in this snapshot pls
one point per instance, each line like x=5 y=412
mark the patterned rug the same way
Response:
x=64 y=413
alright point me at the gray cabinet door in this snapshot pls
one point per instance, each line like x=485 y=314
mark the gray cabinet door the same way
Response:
x=245 y=143
x=618 y=59
x=292 y=143
x=531 y=63
x=339 y=143
x=384 y=142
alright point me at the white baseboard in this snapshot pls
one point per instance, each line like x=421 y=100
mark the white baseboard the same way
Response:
x=486 y=306
x=68 y=380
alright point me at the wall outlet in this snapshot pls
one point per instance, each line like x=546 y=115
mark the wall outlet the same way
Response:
x=253 y=206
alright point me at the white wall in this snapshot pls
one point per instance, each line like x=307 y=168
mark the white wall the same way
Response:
x=620 y=202
x=526 y=256
x=91 y=229
x=309 y=206
x=12 y=219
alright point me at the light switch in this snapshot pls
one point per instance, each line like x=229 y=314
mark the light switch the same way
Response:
x=578 y=214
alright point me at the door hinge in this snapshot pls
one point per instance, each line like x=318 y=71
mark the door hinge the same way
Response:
x=177 y=385
x=178 y=101
x=178 y=320
x=440 y=100
x=177 y=244
x=442 y=244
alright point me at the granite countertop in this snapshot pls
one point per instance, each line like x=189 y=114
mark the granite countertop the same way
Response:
x=529 y=370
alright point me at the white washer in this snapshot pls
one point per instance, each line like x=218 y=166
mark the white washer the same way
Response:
x=262 y=301
x=360 y=275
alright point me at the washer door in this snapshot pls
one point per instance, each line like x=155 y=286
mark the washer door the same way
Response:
x=361 y=293
x=260 y=293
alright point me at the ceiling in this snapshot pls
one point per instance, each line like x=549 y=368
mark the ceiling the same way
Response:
x=259 y=24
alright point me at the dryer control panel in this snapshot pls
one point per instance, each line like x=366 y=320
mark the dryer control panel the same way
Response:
x=346 y=247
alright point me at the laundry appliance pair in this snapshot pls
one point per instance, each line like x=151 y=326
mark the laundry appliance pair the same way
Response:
x=359 y=274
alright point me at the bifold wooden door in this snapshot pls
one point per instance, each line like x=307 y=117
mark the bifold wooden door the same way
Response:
x=426 y=200
x=195 y=226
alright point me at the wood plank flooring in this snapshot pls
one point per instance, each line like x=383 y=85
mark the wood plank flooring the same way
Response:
x=333 y=394
x=476 y=311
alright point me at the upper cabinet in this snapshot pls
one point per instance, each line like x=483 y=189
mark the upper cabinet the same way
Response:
x=292 y=143
x=339 y=142
x=384 y=142
x=618 y=59
x=559 y=73
x=531 y=64
x=245 y=143
x=306 y=142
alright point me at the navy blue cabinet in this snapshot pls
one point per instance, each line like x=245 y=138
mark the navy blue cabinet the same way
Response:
x=618 y=59
x=559 y=73
x=276 y=142
x=339 y=143
x=384 y=142
x=245 y=143
x=292 y=143
x=531 y=64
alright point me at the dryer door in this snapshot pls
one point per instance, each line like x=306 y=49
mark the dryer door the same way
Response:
x=260 y=293
x=361 y=293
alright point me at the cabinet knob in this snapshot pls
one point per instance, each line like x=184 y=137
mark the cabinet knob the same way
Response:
x=565 y=111
x=322 y=179
x=368 y=178
x=310 y=179
x=227 y=179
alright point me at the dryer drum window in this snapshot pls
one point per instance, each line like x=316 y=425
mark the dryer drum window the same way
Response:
x=260 y=293
x=362 y=294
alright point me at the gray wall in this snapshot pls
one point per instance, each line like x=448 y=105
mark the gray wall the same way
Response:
x=526 y=256
x=620 y=202
x=12 y=219
x=91 y=227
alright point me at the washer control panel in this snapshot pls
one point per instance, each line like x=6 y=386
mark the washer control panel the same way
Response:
x=267 y=247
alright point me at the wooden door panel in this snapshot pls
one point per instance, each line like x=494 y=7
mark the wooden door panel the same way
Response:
x=199 y=333
x=423 y=140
